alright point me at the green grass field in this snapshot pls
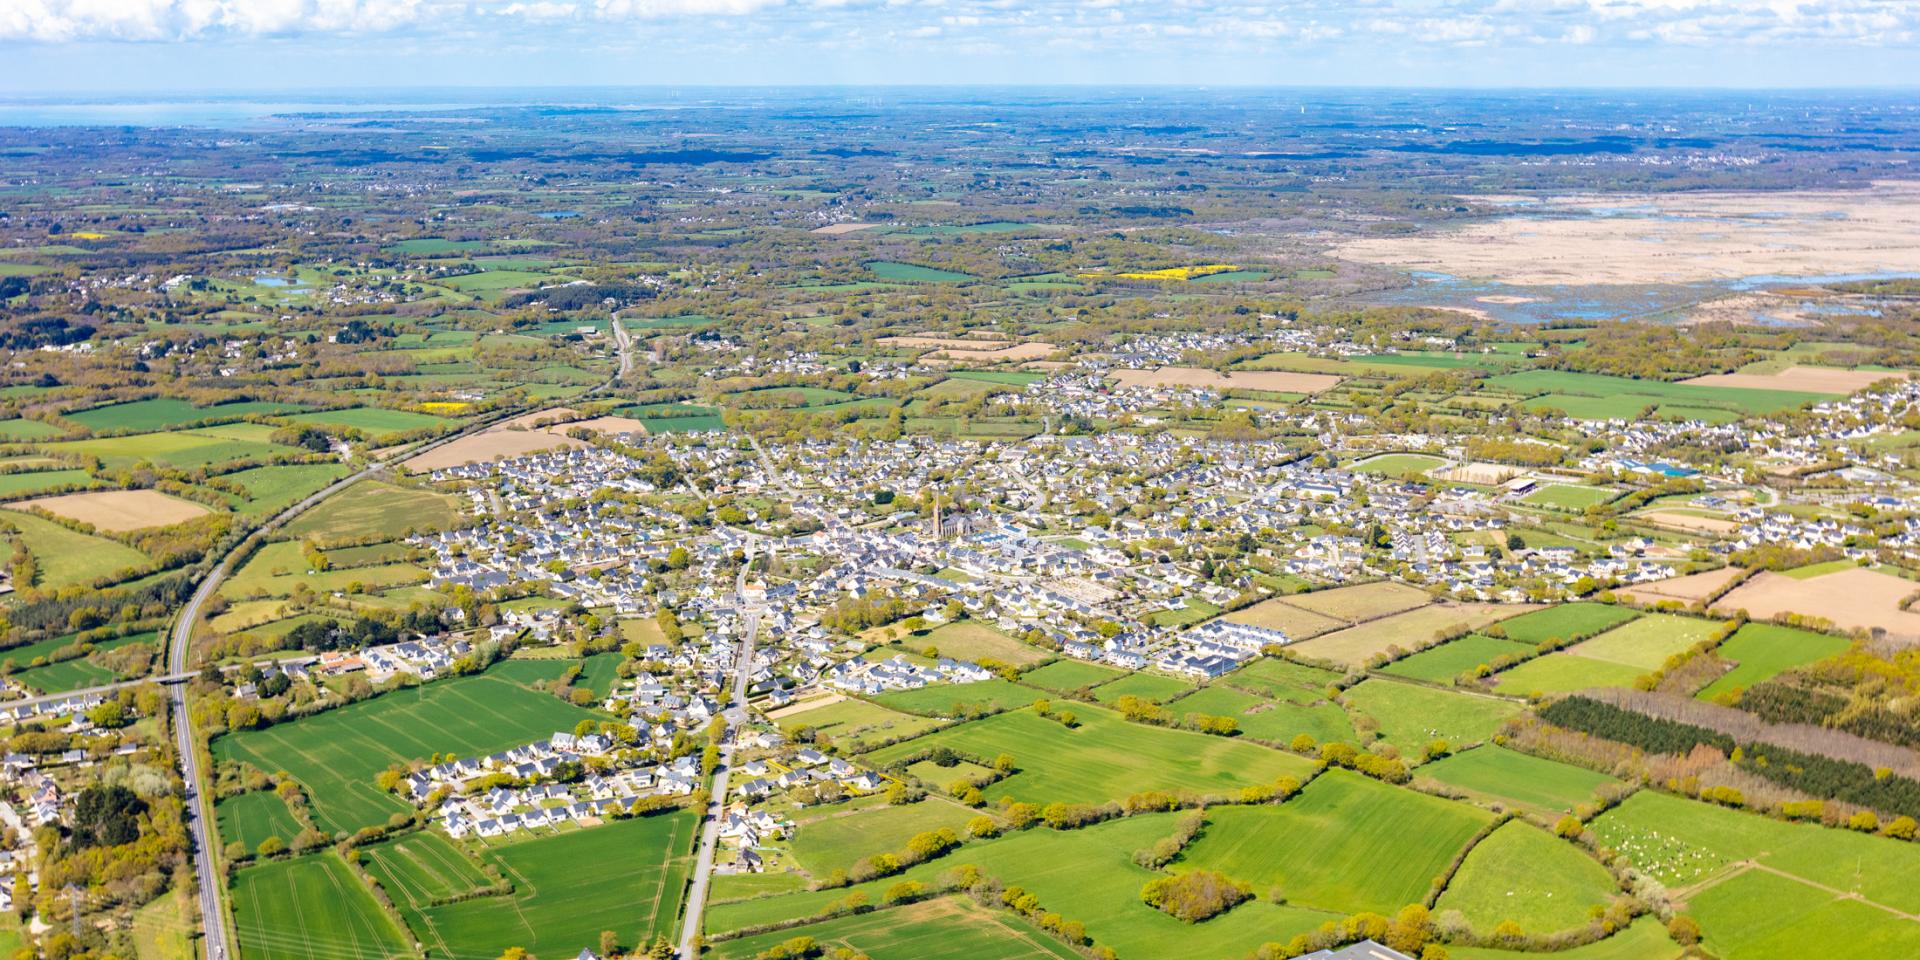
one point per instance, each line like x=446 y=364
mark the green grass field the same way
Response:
x=1265 y=719
x=852 y=722
x=1411 y=715
x=1564 y=622
x=1282 y=679
x=627 y=876
x=78 y=673
x=941 y=699
x=970 y=640
x=1682 y=842
x=914 y=273
x=376 y=422
x=1147 y=686
x=20 y=484
x=1087 y=875
x=1524 y=874
x=17 y=429
x=1496 y=773
x=947 y=928
x=1646 y=643
x=1762 y=651
x=1063 y=676
x=164 y=412
x=312 y=908
x=1764 y=916
x=419 y=868
x=337 y=753
x=1105 y=758
x=253 y=817
x=181 y=448
x=1346 y=843
x=1626 y=397
x=373 y=507
x=68 y=557
x=834 y=838
x=273 y=489
x=1442 y=663
x=1563 y=672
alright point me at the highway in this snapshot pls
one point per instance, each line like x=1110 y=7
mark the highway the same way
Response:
x=213 y=914
x=736 y=721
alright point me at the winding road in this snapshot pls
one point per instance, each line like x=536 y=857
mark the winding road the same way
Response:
x=212 y=893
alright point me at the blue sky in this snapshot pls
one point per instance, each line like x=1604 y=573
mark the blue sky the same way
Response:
x=77 y=45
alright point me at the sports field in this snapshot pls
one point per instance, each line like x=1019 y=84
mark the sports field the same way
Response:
x=947 y=928
x=253 y=817
x=1568 y=496
x=1442 y=663
x=337 y=753
x=1412 y=715
x=1496 y=773
x=1524 y=874
x=311 y=908
x=1565 y=622
x=1346 y=843
x=627 y=876
x=1397 y=465
x=1761 y=651
x=1105 y=758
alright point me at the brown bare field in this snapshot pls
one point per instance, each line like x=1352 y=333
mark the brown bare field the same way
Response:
x=1809 y=379
x=1276 y=381
x=525 y=434
x=1031 y=350
x=1412 y=630
x=1687 y=589
x=1850 y=598
x=1277 y=614
x=1363 y=602
x=607 y=425
x=117 y=511
x=1688 y=522
x=842 y=229
x=1673 y=238
x=803 y=706
x=1486 y=474
x=939 y=342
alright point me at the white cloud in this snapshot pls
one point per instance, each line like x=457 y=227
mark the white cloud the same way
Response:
x=57 y=21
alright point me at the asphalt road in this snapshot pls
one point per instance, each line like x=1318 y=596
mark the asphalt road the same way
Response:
x=736 y=720
x=213 y=912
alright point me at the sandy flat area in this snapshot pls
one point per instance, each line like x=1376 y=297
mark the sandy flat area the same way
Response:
x=1810 y=379
x=521 y=436
x=1031 y=350
x=1689 y=522
x=802 y=706
x=1693 y=586
x=1673 y=238
x=1850 y=598
x=1277 y=381
x=117 y=511
x=939 y=342
x=842 y=229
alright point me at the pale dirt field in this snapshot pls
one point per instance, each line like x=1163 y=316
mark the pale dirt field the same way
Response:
x=1674 y=238
x=117 y=511
x=1031 y=350
x=1277 y=614
x=1688 y=522
x=1810 y=379
x=842 y=229
x=526 y=434
x=957 y=343
x=1488 y=474
x=802 y=706
x=1362 y=602
x=1277 y=381
x=1693 y=586
x=1412 y=630
x=1850 y=598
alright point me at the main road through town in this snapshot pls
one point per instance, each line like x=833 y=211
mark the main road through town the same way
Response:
x=717 y=800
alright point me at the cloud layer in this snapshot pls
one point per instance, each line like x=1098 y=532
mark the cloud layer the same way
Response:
x=1022 y=23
